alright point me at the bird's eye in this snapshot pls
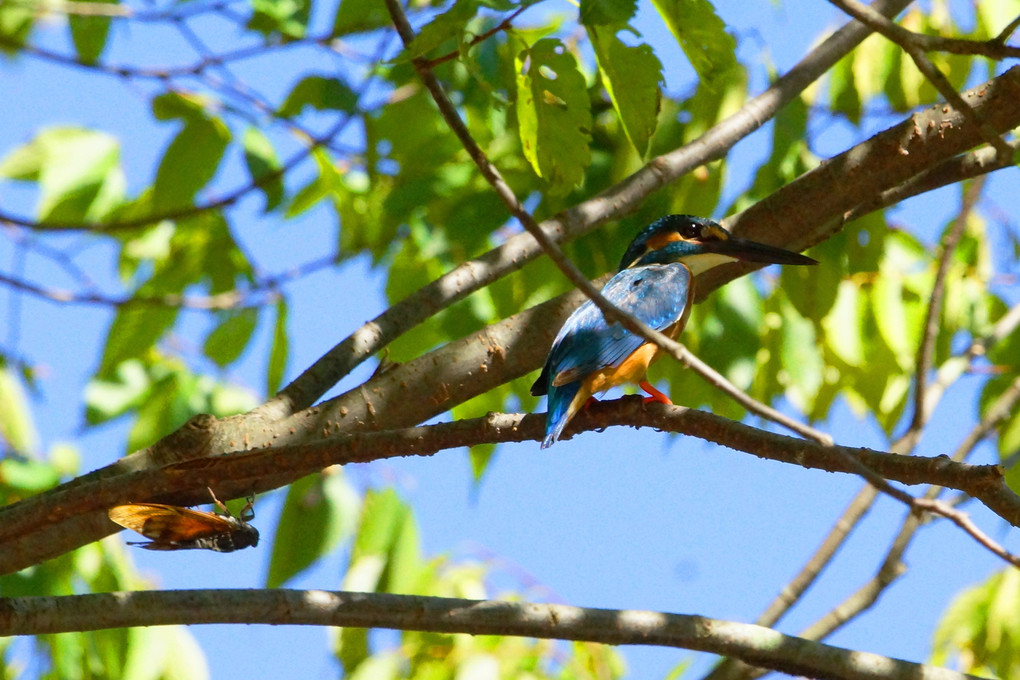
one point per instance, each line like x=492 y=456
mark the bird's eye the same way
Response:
x=689 y=230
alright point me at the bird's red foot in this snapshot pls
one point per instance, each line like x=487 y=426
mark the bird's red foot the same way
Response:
x=656 y=395
x=591 y=400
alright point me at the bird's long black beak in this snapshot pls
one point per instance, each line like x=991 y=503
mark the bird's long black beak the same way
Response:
x=752 y=251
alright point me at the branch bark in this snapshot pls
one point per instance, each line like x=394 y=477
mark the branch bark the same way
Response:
x=754 y=644
x=28 y=528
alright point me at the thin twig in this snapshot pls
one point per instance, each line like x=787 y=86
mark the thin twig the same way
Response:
x=502 y=26
x=233 y=299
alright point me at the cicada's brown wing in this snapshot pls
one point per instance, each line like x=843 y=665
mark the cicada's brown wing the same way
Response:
x=169 y=523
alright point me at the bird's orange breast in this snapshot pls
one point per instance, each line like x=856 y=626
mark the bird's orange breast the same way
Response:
x=633 y=368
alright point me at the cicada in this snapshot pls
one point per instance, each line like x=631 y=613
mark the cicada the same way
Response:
x=170 y=527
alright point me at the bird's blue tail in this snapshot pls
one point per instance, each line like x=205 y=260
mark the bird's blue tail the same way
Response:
x=559 y=413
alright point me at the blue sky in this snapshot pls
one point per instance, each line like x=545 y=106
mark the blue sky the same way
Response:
x=624 y=519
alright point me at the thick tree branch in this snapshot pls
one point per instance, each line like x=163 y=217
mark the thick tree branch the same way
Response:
x=25 y=526
x=761 y=646
x=966 y=166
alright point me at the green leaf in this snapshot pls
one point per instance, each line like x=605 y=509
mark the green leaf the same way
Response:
x=813 y=290
x=445 y=26
x=126 y=389
x=480 y=456
x=288 y=18
x=166 y=408
x=801 y=361
x=404 y=564
x=553 y=114
x=189 y=163
x=185 y=106
x=604 y=12
x=264 y=167
x=633 y=79
x=16 y=21
x=842 y=325
x=228 y=340
x=89 y=33
x=357 y=16
x=981 y=629
x=327 y=181
x=843 y=95
x=323 y=93
x=16 y=427
x=78 y=172
x=382 y=515
x=28 y=476
x=134 y=331
x=281 y=348
x=702 y=36
x=352 y=649
x=319 y=512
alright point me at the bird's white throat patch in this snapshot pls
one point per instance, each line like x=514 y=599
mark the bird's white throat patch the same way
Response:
x=702 y=262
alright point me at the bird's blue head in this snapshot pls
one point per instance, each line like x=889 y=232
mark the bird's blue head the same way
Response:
x=701 y=244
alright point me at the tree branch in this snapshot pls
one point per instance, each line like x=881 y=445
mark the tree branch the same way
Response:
x=29 y=528
x=757 y=645
x=929 y=334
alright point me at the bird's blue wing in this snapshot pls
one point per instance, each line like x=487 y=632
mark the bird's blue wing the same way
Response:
x=658 y=295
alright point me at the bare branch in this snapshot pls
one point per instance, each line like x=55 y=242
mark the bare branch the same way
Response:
x=234 y=299
x=502 y=26
x=952 y=171
x=31 y=525
x=761 y=646
x=929 y=333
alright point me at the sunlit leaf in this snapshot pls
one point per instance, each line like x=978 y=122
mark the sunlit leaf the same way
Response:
x=980 y=628
x=109 y=398
x=553 y=113
x=78 y=172
x=633 y=79
x=16 y=426
x=842 y=325
x=702 y=36
x=288 y=18
x=16 y=21
x=263 y=166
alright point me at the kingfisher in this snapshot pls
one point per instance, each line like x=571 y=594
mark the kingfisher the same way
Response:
x=655 y=284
